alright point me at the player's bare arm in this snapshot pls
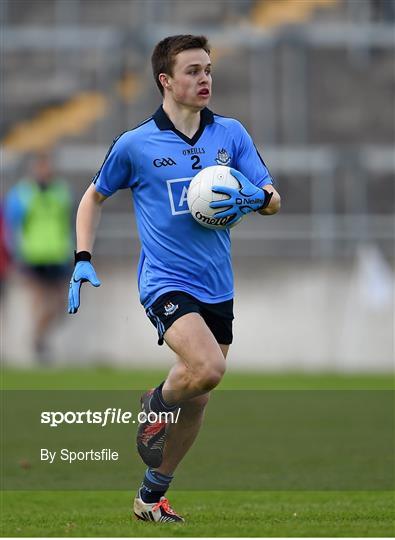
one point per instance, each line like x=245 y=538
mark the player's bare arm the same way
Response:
x=275 y=202
x=88 y=218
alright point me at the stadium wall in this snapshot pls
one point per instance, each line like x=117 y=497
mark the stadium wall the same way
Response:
x=290 y=315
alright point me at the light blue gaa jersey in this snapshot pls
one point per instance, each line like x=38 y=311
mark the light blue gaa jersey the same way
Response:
x=157 y=162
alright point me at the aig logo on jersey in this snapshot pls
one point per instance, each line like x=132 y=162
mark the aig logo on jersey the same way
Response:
x=164 y=162
x=177 y=190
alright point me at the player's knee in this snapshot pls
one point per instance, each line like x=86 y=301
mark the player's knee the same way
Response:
x=210 y=376
x=210 y=380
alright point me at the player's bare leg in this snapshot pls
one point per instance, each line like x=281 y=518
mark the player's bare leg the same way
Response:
x=203 y=361
x=150 y=499
x=150 y=502
x=180 y=436
x=201 y=369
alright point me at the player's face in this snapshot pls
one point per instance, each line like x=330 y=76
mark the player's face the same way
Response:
x=190 y=83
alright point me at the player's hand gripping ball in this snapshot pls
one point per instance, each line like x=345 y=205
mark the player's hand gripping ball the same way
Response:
x=219 y=197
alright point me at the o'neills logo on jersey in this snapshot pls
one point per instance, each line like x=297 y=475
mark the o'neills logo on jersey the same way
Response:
x=223 y=158
x=193 y=151
x=212 y=220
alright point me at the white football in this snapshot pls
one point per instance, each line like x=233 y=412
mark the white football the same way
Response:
x=200 y=196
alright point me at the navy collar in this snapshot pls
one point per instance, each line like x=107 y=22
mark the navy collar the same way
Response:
x=164 y=123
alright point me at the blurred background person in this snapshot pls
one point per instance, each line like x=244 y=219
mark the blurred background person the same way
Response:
x=38 y=215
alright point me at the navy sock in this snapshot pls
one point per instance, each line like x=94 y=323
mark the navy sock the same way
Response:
x=154 y=486
x=158 y=404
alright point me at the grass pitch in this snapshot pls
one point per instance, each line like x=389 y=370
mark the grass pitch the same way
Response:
x=208 y=513
x=226 y=514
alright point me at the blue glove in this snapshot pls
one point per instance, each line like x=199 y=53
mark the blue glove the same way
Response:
x=243 y=200
x=83 y=272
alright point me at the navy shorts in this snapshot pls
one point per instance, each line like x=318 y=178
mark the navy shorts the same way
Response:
x=49 y=273
x=174 y=304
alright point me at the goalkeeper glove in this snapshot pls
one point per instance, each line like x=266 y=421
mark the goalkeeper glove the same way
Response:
x=83 y=272
x=243 y=200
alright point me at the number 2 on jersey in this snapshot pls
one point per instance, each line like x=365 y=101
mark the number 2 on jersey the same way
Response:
x=196 y=162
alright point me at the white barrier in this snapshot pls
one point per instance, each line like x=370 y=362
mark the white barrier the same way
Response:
x=290 y=315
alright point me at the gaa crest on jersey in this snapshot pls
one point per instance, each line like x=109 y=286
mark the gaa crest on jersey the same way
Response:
x=170 y=308
x=223 y=158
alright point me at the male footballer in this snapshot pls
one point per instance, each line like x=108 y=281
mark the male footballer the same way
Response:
x=185 y=273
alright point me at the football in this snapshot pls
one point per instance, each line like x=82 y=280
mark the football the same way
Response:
x=200 y=196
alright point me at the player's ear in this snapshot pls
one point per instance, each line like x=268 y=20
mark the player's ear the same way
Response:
x=164 y=80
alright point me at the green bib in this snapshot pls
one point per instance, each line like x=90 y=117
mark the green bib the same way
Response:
x=46 y=234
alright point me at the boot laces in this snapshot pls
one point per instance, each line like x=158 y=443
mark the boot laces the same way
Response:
x=164 y=503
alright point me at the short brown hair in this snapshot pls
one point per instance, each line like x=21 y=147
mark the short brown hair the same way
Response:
x=165 y=51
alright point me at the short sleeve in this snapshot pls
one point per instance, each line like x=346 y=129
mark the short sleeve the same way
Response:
x=248 y=160
x=117 y=169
